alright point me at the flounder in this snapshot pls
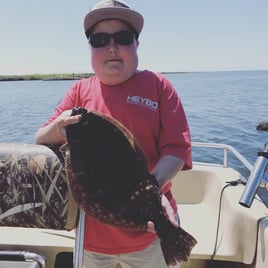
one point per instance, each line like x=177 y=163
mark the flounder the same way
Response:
x=108 y=179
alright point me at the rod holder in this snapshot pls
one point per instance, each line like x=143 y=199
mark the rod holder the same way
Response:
x=254 y=179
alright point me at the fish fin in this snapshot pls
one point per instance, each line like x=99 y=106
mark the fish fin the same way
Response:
x=176 y=243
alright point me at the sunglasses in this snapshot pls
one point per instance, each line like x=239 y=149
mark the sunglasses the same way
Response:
x=123 y=38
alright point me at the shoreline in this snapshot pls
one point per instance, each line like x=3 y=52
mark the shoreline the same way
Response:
x=77 y=76
x=45 y=77
x=53 y=77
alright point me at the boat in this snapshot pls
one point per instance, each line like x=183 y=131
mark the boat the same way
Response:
x=218 y=204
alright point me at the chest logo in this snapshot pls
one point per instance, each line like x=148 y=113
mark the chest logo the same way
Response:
x=153 y=105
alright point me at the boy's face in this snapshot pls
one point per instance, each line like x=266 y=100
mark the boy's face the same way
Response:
x=114 y=63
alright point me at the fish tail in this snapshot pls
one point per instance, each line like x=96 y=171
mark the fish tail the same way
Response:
x=176 y=243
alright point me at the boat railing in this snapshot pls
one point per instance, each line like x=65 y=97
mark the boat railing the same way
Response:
x=25 y=256
x=256 y=178
x=226 y=148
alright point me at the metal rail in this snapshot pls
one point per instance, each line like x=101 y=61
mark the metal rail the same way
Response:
x=255 y=179
x=226 y=148
x=8 y=255
x=79 y=241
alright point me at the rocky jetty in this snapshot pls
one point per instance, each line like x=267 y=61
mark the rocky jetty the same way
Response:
x=262 y=126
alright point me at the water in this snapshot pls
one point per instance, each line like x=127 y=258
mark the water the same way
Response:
x=225 y=107
x=222 y=107
x=26 y=105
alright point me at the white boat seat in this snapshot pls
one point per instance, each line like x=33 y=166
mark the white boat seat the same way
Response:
x=197 y=193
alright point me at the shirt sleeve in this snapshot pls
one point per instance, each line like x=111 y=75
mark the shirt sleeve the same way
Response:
x=174 y=136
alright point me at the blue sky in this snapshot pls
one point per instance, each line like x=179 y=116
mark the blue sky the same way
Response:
x=179 y=35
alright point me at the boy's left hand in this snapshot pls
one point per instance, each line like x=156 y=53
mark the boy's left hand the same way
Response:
x=168 y=211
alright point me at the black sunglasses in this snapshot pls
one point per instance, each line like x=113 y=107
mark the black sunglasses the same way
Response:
x=122 y=38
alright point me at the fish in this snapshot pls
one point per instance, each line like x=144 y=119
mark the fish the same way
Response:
x=108 y=179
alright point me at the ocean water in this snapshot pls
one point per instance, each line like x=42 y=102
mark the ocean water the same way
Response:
x=221 y=107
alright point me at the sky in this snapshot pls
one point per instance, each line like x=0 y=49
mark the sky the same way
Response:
x=178 y=36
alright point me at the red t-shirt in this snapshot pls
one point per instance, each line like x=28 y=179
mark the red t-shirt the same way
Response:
x=148 y=105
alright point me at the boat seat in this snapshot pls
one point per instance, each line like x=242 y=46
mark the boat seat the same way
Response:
x=197 y=193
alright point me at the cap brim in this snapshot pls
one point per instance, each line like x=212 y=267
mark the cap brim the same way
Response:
x=132 y=17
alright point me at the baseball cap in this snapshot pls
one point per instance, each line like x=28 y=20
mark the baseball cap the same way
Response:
x=116 y=9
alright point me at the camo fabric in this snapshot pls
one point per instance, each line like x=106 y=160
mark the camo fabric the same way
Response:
x=33 y=188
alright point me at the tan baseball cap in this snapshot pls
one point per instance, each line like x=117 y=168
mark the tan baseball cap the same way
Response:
x=109 y=9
